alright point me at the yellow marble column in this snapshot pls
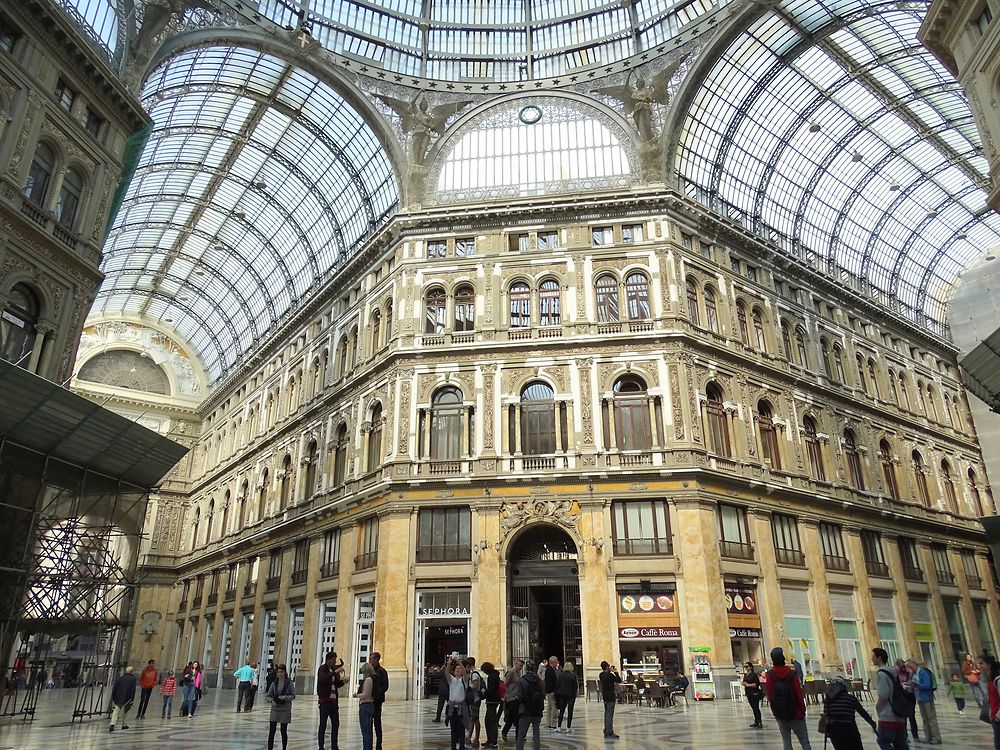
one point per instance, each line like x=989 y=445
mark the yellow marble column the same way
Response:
x=281 y=634
x=867 y=622
x=390 y=636
x=699 y=587
x=974 y=641
x=344 y=636
x=257 y=633
x=597 y=591
x=772 y=614
x=310 y=627
x=488 y=639
x=236 y=654
x=819 y=595
x=939 y=620
x=904 y=623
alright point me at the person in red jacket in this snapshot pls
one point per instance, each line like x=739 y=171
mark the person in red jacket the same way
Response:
x=787 y=701
x=147 y=681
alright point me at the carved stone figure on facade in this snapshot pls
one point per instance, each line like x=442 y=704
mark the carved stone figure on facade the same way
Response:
x=516 y=514
x=157 y=15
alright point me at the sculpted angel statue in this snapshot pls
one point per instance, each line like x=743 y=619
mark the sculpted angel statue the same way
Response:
x=421 y=121
x=638 y=100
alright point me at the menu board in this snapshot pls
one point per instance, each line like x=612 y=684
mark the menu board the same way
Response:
x=742 y=611
x=655 y=603
x=648 y=613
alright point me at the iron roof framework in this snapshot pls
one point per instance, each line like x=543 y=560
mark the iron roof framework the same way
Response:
x=258 y=180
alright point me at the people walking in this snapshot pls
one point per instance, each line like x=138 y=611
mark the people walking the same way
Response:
x=329 y=678
x=244 y=676
x=925 y=686
x=269 y=676
x=889 y=707
x=566 y=692
x=196 y=687
x=254 y=687
x=551 y=683
x=281 y=693
x=754 y=693
x=187 y=688
x=458 y=707
x=122 y=697
x=840 y=708
x=512 y=698
x=366 y=707
x=973 y=675
x=609 y=680
x=493 y=703
x=442 y=697
x=473 y=691
x=959 y=692
x=908 y=681
x=532 y=709
x=380 y=686
x=990 y=669
x=168 y=689
x=147 y=681
x=787 y=701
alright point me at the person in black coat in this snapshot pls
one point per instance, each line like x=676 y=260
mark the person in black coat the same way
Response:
x=122 y=697
x=442 y=696
x=566 y=692
x=493 y=702
x=551 y=683
x=840 y=707
x=754 y=693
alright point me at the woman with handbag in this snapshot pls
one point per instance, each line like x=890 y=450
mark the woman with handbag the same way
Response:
x=754 y=693
x=280 y=693
x=837 y=721
x=991 y=706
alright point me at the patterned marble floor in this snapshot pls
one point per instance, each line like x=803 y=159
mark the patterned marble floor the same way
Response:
x=408 y=725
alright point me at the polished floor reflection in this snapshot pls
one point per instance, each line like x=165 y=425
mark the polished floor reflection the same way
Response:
x=408 y=725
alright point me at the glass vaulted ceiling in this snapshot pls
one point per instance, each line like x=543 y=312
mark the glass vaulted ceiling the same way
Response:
x=257 y=180
x=828 y=128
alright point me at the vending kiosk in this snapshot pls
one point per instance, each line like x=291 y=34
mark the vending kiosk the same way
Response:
x=702 y=679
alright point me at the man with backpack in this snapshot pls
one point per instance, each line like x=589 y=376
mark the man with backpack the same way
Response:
x=475 y=691
x=926 y=685
x=893 y=705
x=532 y=708
x=787 y=701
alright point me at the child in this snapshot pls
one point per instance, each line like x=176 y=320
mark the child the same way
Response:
x=957 y=690
x=168 y=689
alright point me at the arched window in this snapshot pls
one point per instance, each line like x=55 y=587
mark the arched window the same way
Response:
x=19 y=325
x=637 y=296
x=854 y=474
x=758 y=329
x=632 y=424
x=40 y=174
x=262 y=495
x=692 y=303
x=538 y=420
x=465 y=309
x=376 y=331
x=786 y=342
x=873 y=378
x=446 y=424
x=70 y=193
x=949 y=486
x=353 y=347
x=242 y=501
x=888 y=469
x=824 y=355
x=768 y=435
x=956 y=413
x=375 y=439
x=717 y=422
x=224 y=525
x=252 y=423
x=607 y=299
x=947 y=410
x=285 y=486
x=548 y=304
x=434 y=311
x=974 y=496
x=920 y=396
x=838 y=363
x=197 y=528
x=923 y=493
x=862 y=383
x=813 y=449
x=744 y=324
x=711 y=310
x=292 y=392
x=800 y=346
x=519 y=298
x=312 y=470
x=340 y=456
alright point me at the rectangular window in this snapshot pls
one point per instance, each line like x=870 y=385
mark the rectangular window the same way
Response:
x=65 y=95
x=942 y=566
x=548 y=240
x=518 y=243
x=956 y=631
x=93 y=123
x=705 y=249
x=367 y=544
x=465 y=246
x=437 y=249
x=199 y=587
x=871 y=546
x=444 y=534
x=734 y=532
x=832 y=541
x=971 y=571
x=232 y=577
x=735 y=264
x=300 y=562
x=908 y=556
x=602 y=236
x=787 y=546
x=331 y=553
x=641 y=527
x=273 y=570
x=984 y=19
x=751 y=273
x=983 y=625
x=632 y=233
x=687 y=241
x=214 y=588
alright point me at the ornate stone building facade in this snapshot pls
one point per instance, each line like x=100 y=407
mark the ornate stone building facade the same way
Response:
x=705 y=445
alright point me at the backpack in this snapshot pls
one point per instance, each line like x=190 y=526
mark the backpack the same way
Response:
x=533 y=699
x=473 y=696
x=502 y=689
x=903 y=704
x=783 y=703
x=933 y=679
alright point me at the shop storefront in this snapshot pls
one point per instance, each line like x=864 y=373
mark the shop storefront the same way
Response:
x=930 y=652
x=364 y=629
x=443 y=622
x=745 y=630
x=649 y=629
x=845 y=626
x=799 y=629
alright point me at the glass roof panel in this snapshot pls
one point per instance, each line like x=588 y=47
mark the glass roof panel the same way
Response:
x=859 y=148
x=258 y=179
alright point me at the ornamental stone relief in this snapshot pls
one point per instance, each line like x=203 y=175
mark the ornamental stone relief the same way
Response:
x=489 y=372
x=514 y=515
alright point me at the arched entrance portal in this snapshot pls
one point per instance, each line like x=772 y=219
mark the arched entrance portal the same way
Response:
x=545 y=596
